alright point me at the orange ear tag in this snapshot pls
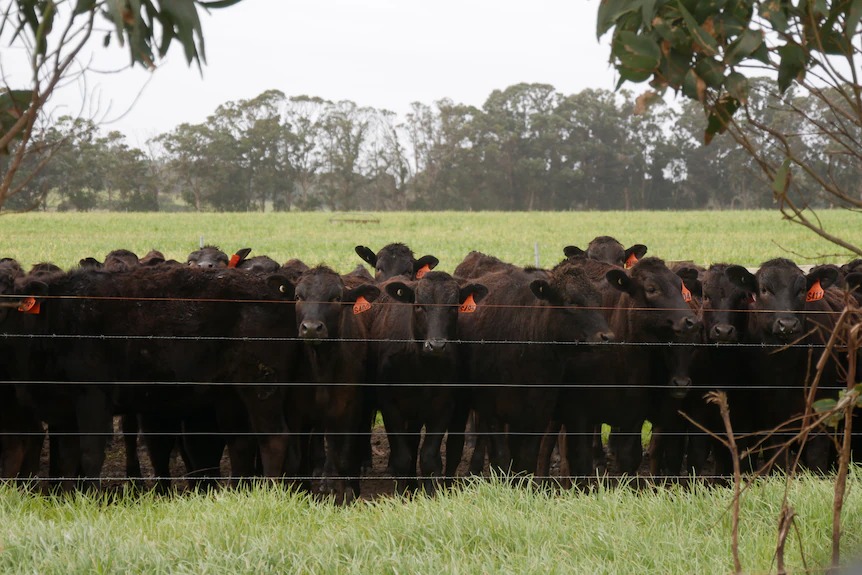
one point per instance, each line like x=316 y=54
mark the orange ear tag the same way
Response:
x=234 y=261
x=30 y=305
x=815 y=293
x=361 y=305
x=469 y=305
x=633 y=259
x=686 y=295
x=420 y=273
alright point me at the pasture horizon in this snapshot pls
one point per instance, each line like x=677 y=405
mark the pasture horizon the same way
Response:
x=704 y=237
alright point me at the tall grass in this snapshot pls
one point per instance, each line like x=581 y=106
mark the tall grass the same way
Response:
x=486 y=527
x=746 y=238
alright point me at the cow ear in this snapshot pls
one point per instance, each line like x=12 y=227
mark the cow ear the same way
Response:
x=573 y=251
x=243 y=253
x=90 y=263
x=429 y=261
x=35 y=288
x=369 y=291
x=618 y=279
x=478 y=291
x=282 y=284
x=742 y=278
x=543 y=290
x=638 y=250
x=690 y=278
x=854 y=282
x=400 y=291
x=826 y=275
x=367 y=255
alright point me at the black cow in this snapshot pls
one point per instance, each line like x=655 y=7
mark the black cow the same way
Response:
x=789 y=307
x=416 y=362
x=609 y=250
x=539 y=306
x=617 y=385
x=335 y=350
x=396 y=260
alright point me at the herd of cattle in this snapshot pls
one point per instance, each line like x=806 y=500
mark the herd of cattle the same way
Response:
x=286 y=366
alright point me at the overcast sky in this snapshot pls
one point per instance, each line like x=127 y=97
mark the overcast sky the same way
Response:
x=379 y=53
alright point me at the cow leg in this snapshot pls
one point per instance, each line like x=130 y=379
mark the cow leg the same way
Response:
x=95 y=422
x=430 y=458
x=546 y=449
x=499 y=452
x=160 y=437
x=342 y=466
x=524 y=447
x=456 y=438
x=401 y=456
x=204 y=450
x=129 y=425
x=65 y=456
x=628 y=450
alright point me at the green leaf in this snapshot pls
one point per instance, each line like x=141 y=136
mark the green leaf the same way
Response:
x=743 y=47
x=84 y=6
x=711 y=71
x=219 y=3
x=13 y=104
x=792 y=65
x=775 y=12
x=638 y=55
x=610 y=12
x=851 y=21
x=780 y=180
x=824 y=405
x=737 y=86
x=692 y=85
x=186 y=26
x=700 y=36
x=719 y=117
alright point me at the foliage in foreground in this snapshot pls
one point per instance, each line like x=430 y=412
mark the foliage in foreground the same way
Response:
x=485 y=527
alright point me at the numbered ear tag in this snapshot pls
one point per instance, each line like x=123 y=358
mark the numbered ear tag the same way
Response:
x=30 y=305
x=420 y=273
x=469 y=305
x=686 y=295
x=234 y=261
x=633 y=259
x=362 y=305
x=815 y=292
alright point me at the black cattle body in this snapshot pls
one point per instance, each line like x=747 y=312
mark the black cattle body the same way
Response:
x=209 y=326
x=120 y=260
x=477 y=264
x=335 y=352
x=414 y=349
x=609 y=250
x=65 y=373
x=534 y=317
x=21 y=433
x=645 y=307
x=791 y=310
x=396 y=260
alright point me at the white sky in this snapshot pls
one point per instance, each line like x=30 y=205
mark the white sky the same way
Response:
x=380 y=53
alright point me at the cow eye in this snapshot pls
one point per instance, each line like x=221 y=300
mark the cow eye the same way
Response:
x=299 y=297
x=419 y=309
x=335 y=299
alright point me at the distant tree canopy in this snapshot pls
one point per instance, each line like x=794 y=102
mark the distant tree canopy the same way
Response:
x=529 y=147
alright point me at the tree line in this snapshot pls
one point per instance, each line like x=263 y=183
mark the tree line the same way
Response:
x=529 y=147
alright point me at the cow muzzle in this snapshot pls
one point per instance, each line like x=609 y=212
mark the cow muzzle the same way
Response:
x=679 y=387
x=786 y=328
x=434 y=346
x=686 y=325
x=723 y=333
x=313 y=330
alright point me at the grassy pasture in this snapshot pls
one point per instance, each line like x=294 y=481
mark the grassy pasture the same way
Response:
x=746 y=238
x=485 y=527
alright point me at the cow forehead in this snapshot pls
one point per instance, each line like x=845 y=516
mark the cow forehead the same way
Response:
x=780 y=278
x=316 y=281
x=437 y=291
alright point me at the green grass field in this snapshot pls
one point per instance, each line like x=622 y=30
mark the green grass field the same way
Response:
x=485 y=527
x=747 y=238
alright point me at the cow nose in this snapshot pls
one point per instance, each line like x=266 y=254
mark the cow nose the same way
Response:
x=435 y=345
x=312 y=329
x=723 y=332
x=606 y=336
x=786 y=327
x=679 y=386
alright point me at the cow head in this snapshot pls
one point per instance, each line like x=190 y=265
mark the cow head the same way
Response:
x=609 y=250
x=780 y=290
x=396 y=260
x=436 y=299
x=659 y=310
x=569 y=291
x=725 y=306
x=321 y=300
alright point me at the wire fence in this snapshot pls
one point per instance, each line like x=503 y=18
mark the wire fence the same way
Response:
x=584 y=384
